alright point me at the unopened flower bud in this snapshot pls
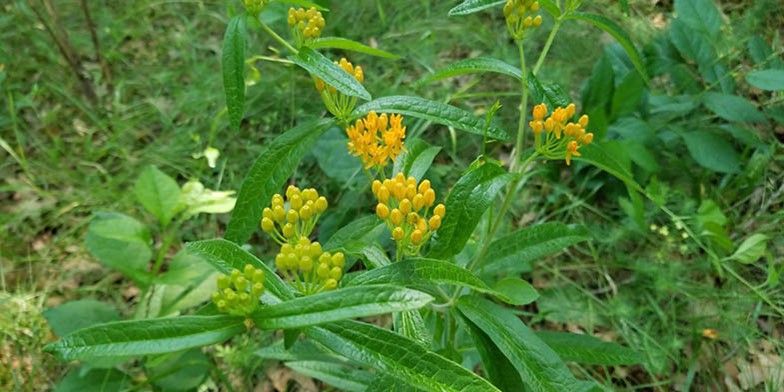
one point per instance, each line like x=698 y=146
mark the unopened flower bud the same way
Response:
x=267 y=225
x=382 y=211
x=397 y=234
x=440 y=210
x=435 y=222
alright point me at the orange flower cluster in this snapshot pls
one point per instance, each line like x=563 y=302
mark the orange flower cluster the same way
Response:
x=376 y=139
x=552 y=145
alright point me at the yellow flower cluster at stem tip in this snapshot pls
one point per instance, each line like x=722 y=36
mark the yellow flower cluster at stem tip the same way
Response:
x=376 y=139
x=552 y=145
x=305 y=25
x=238 y=293
x=309 y=269
x=404 y=205
x=254 y=7
x=337 y=103
x=288 y=223
x=520 y=17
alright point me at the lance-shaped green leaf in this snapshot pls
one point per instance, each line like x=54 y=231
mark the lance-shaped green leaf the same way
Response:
x=598 y=154
x=470 y=66
x=233 y=67
x=538 y=365
x=268 y=175
x=548 y=92
x=339 y=376
x=471 y=6
x=732 y=107
x=347 y=44
x=385 y=382
x=321 y=67
x=339 y=305
x=411 y=325
x=398 y=356
x=158 y=193
x=589 y=350
x=145 y=337
x=436 y=112
x=514 y=252
x=226 y=256
x=365 y=228
x=551 y=7
x=466 y=203
x=425 y=272
x=417 y=160
x=769 y=79
x=496 y=366
x=700 y=15
x=617 y=32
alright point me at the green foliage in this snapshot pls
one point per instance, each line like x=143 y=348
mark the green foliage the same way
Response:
x=321 y=67
x=233 y=66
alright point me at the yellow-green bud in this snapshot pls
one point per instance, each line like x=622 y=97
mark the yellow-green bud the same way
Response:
x=440 y=210
x=382 y=211
x=305 y=212
x=267 y=225
x=223 y=282
x=339 y=260
x=336 y=273
x=288 y=230
x=397 y=234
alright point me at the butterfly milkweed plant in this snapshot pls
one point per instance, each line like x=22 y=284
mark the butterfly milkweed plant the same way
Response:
x=418 y=286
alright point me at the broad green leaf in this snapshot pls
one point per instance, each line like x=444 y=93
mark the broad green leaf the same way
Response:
x=334 y=159
x=321 y=67
x=751 y=249
x=769 y=79
x=732 y=107
x=98 y=380
x=495 y=364
x=360 y=230
x=410 y=324
x=347 y=44
x=436 y=112
x=158 y=193
x=551 y=7
x=598 y=92
x=589 y=350
x=340 y=304
x=538 y=366
x=268 y=175
x=627 y=97
x=179 y=371
x=339 y=376
x=397 y=356
x=226 y=256
x=122 y=243
x=617 y=32
x=516 y=290
x=372 y=255
x=233 y=67
x=470 y=66
x=417 y=160
x=692 y=45
x=385 y=382
x=467 y=201
x=301 y=350
x=548 y=92
x=145 y=337
x=471 y=6
x=700 y=15
x=712 y=151
x=426 y=272
x=75 y=315
x=608 y=157
x=515 y=251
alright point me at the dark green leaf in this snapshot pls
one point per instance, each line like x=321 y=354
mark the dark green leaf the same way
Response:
x=769 y=79
x=347 y=44
x=397 y=356
x=233 y=66
x=538 y=366
x=360 y=230
x=496 y=366
x=470 y=66
x=98 y=380
x=628 y=96
x=700 y=15
x=518 y=249
x=268 y=175
x=75 y=315
x=411 y=325
x=339 y=376
x=417 y=160
x=599 y=90
x=732 y=107
x=436 y=112
x=301 y=350
x=339 y=305
x=589 y=350
x=691 y=45
x=180 y=371
x=466 y=203
x=321 y=67
x=158 y=193
x=611 y=158
x=712 y=151
x=120 y=242
x=334 y=159
x=145 y=337
x=385 y=382
x=471 y=6
x=551 y=7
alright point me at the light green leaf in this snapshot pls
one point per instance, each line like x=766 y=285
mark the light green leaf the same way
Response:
x=397 y=356
x=467 y=201
x=516 y=290
x=617 y=32
x=339 y=376
x=158 y=193
x=321 y=67
x=411 y=325
x=122 y=243
x=339 y=305
x=496 y=366
x=75 y=315
x=471 y=6
x=712 y=151
x=226 y=256
x=769 y=79
x=233 y=67
x=611 y=158
x=538 y=366
x=99 y=380
x=385 y=382
x=436 y=112
x=515 y=251
x=732 y=107
x=551 y=7
x=268 y=175
x=700 y=15
x=751 y=249
x=586 y=349
x=470 y=66
x=179 y=371
x=347 y=44
x=145 y=337
x=417 y=160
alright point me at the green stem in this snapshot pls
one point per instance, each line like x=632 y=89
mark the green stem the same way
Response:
x=518 y=150
x=547 y=45
x=277 y=37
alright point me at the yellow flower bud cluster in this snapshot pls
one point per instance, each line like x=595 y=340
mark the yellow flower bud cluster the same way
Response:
x=551 y=144
x=376 y=139
x=254 y=7
x=309 y=269
x=337 y=103
x=305 y=25
x=520 y=17
x=238 y=293
x=404 y=205
x=288 y=221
